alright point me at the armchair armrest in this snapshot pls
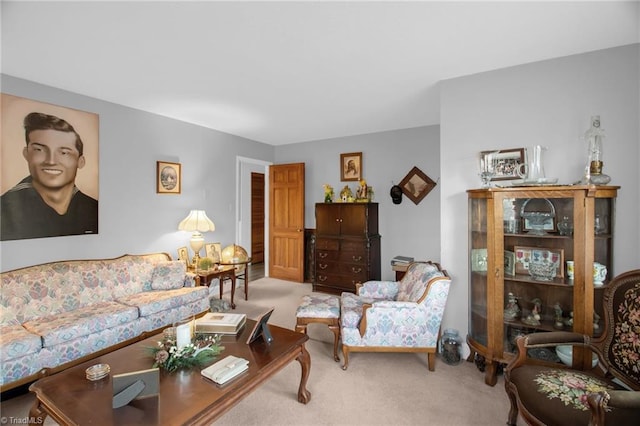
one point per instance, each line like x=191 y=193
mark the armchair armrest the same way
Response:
x=600 y=402
x=547 y=339
x=385 y=290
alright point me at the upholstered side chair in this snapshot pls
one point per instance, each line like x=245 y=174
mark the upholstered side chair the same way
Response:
x=607 y=394
x=396 y=316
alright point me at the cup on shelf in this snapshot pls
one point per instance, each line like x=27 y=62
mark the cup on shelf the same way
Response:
x=570 y=269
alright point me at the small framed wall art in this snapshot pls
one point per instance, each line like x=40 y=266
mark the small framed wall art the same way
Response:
x=416 y=185
x=351 y=166
x=168 y=177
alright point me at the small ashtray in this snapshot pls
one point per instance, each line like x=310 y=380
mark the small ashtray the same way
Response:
x=97 y=372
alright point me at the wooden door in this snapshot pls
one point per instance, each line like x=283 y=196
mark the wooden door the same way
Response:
x=286 y=216
x=257 y=217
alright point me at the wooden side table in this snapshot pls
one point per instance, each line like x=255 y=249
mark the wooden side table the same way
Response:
x=222 y=273
x=244 y=276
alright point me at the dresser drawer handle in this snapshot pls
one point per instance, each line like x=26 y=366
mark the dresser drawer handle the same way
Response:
x=356 y=270
x=322 y=255
x=322 y=278
x=356 y=259
x=323 y=265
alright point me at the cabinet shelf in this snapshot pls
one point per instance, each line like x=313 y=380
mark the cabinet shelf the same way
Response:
x=490 y=334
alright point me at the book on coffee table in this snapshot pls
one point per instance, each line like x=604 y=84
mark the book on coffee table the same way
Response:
x=220 y=323
x=226 y=369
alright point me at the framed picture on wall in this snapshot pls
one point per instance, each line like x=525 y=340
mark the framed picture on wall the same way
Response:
x=168 y=177
x=416 y=185
x=351 y=166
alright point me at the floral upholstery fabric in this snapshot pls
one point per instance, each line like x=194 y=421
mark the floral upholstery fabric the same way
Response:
x=383 y=290
x=570 y=387
x=67 y=326
x=15 y=342
x=412 y=285
x=319 y=306
x=168 y=275
x=624 y=350
x=55 y=313
x=398 y=323
x=152 y=302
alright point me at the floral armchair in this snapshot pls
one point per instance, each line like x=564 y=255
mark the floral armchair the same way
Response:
x=396 y=316
x=606 y=394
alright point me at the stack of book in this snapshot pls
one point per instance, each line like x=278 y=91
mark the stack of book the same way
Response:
x=220 y=323
x=401 y=260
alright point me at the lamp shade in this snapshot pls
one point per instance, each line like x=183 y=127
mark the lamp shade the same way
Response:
x=197 y=220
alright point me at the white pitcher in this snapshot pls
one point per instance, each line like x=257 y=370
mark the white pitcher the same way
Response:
x=534 y=170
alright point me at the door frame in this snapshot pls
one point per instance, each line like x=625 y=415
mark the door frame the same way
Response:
x=243 y=200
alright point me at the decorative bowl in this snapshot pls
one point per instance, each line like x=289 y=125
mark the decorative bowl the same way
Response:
x=565 y=353
x=542 y=271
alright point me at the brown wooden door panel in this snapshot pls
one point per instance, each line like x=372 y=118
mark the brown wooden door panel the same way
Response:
x=257 y=217
x=286 y=230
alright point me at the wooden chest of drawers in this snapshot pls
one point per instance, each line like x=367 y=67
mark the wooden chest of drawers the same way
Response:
x=347 y=247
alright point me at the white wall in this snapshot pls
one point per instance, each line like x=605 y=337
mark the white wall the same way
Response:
x=406 y=229
x=132 y=217
x=547 y=103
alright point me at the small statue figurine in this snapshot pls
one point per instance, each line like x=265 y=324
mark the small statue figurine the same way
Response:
x=346 y=195
x=557 y=309
x=534 y=317
x=512 y=310
x=362 y=190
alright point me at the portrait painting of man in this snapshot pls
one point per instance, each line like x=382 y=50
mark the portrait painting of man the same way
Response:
x=49 y=184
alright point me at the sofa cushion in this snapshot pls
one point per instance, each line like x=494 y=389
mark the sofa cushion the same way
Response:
x=16 y=341
x=66 y=326
x=152 y=302
x=168 y=275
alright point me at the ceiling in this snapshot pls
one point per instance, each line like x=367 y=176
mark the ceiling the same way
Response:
x=287 y=72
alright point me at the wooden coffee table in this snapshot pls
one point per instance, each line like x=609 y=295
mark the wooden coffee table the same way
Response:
x=185 y=396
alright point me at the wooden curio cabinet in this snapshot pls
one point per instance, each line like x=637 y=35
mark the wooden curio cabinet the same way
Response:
x=502 y=239
x=347 y=249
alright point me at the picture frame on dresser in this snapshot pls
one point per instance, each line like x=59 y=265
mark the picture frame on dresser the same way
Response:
x=183 y=254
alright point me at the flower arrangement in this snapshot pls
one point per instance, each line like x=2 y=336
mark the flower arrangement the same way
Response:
x=168 y=356
x=328 y=193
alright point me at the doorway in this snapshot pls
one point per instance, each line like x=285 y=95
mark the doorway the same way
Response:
x=245 y=168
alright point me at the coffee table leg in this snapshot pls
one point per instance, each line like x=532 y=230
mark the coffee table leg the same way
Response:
x=304 y=396
x=36 y=414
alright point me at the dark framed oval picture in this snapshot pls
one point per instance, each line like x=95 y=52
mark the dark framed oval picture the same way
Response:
x=168 y=177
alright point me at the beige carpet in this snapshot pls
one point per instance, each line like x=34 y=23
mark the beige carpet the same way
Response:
x=377 y=389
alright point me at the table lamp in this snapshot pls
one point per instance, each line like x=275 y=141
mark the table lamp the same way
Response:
x=196 y=222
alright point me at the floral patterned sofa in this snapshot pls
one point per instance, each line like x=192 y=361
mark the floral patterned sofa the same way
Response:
x=55 y=314
x=398 y=316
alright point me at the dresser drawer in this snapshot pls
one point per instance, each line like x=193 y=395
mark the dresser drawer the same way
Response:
x=327 y=244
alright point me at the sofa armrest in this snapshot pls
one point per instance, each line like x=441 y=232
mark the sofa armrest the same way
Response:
x=381 y=290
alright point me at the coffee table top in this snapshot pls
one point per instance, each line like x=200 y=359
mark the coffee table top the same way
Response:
x=185 y=396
